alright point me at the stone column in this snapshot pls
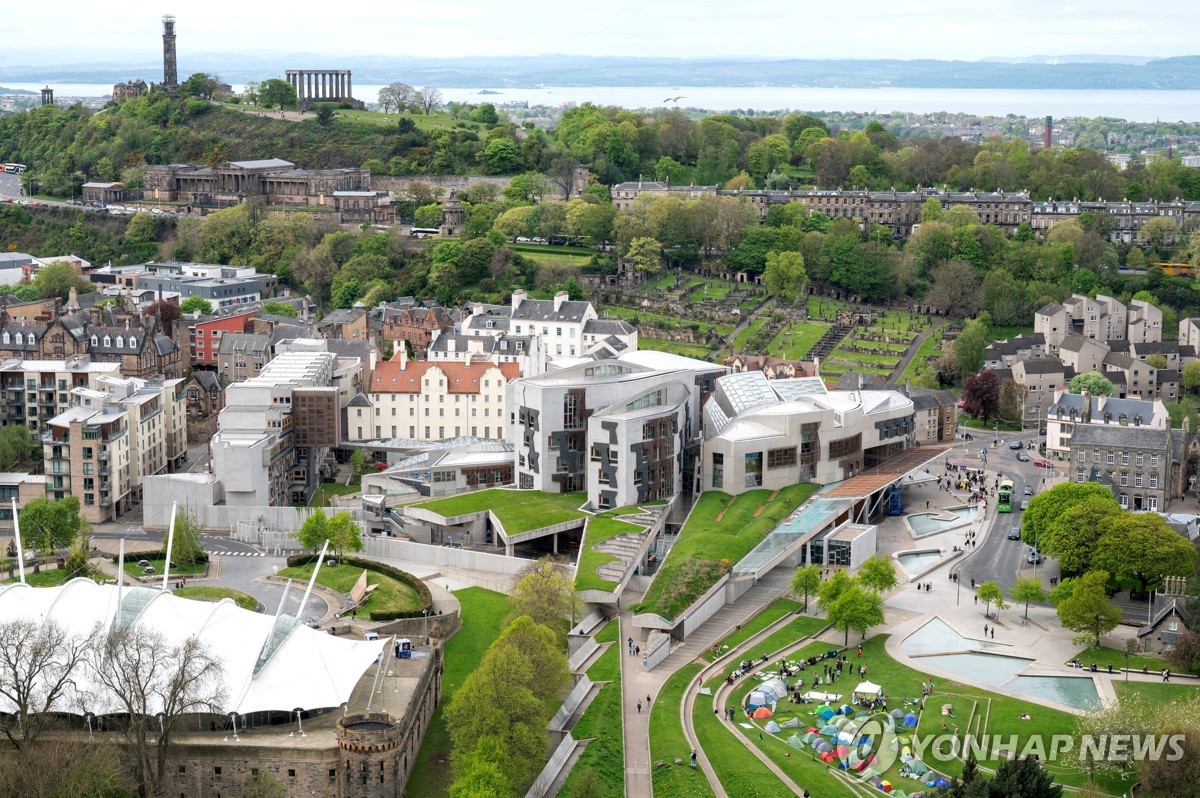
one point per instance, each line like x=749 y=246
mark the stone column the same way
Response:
x=324 y=85
x=342 y=85
x=349 y=85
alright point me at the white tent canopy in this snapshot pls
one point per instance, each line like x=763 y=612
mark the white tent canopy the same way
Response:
x=306 y=669
x=870 y=688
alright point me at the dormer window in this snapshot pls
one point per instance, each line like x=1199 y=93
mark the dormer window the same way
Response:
x=95 y=340
x=133 y=342
x=108 y=340
x=20 y=339
x=120 y=342
x=32 y=339
x=7 y=339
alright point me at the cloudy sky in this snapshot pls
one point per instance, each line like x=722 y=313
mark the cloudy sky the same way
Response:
x=78 y=30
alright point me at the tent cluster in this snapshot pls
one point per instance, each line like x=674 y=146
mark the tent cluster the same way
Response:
x=840 y=740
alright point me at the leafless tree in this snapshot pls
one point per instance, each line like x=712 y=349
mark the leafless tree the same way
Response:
x=562 y=174
x=428 y=98
x=38 y=664
x=154 y=684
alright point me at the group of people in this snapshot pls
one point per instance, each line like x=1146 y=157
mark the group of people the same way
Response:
x=926 y=587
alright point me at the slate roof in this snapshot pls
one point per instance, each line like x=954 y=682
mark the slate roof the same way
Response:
x=543 y=310
x=265 y=163
x=1130 y=407
x=1045 y=366
x=241 y=343
x=607 y=327
x=1050 y=309
x=1115 y=435
x=207 y=380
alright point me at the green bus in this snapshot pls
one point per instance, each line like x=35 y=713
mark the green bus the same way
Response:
x=1005 y=495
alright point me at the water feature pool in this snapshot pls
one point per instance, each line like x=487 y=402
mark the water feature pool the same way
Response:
x=930 y=523
x=936 y=637
x=989 y=669
x=916 y=561
x=1070 y=691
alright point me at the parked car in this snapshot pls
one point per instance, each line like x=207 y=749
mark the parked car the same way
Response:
x=1014 y=533
x=1024 y=458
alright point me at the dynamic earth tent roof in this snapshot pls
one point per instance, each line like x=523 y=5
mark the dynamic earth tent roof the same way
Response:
x=268 y=663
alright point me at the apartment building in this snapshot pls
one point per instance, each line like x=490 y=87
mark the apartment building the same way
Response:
x=618 y=428
x=113 y=436
x=418 y=324
x=199 y=337
x=36 y=391
x=242 y=356
x=432 y=401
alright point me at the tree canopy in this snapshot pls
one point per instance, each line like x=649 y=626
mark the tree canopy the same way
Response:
x=1093 y=382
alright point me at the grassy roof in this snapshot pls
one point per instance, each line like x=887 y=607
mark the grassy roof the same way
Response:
x=518 y=510
x=600 y=528
x=708 y=548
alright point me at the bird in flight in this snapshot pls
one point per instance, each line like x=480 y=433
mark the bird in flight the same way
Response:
x=673 y=99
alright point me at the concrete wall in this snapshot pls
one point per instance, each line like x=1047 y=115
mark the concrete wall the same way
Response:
x=200 y=498
x=492 y=571
x=446 y=183
x=704 y=608
x=545 y=780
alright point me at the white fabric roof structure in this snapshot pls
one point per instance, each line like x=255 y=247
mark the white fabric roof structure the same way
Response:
x=300 y=667
x=870 y=688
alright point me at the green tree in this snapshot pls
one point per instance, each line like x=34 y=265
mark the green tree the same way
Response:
x=971 y=343
x=17 y=449
x=1191 y=376
x=806 y=581
x=1085 y=608
x=186 y=546
x=428 y=215
x=51 y=524
x=1140 y=546
x=990 y=593
x=196 y=303
x=276 y=92
x=1025 y=777
x=325 y=116
x=877 y=573
x=955 y=289
x=646 y=255
x=1050 y=505
x=856 y=609
x=1025 y=590
x=142 y=229
x=1093 y=382
x=57 y=280
x=501 y=156
x=262 y=784
x=274 y=308
x=546 y=594
x=832 y=588
x=1071 y=536
x=784 y=275
x=340 y=530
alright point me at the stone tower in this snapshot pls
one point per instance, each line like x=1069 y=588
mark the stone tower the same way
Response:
x=453 y=217
x=370 y=747
x=47 y=96
x=170 y=72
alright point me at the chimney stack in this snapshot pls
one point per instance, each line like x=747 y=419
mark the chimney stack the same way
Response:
x=1048 y=134
x=518 y=297
x=402 y=353
x=559 y=298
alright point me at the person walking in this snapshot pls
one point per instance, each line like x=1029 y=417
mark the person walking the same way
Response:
x=985 y=628
x=639 y=706
x=647 y=702
x=993 y=633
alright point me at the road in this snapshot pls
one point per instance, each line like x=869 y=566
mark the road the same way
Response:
x=898 y=373
x=997 y=558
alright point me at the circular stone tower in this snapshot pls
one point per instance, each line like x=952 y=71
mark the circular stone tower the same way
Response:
x=370 y=766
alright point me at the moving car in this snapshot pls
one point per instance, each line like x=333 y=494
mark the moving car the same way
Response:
x=1029 y=490
x=1042 y=464
x=1033 y=556
x=1016 y=445
x=1024 y=458
x=1014 y=533
x=1025 y=505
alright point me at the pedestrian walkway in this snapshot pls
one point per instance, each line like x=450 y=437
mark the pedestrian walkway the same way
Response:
x=638 y=682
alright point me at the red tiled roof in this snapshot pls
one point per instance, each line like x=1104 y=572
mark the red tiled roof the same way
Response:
x=460 y=377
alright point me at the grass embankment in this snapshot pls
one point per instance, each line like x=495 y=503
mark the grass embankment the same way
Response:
x=518 y=510
x=1156 y=694
x=932 y=348
x=483 y=611
x=390 y=595
x=697 y=351
x=668 y=742
x=749 y=333
x=602 y=527
x=1103 y=657
x=53 y=578
x=601 y=723
x=794 y=340
x=708 y=548
x=779 y=608
x=981 y=712
x=243 y=600
x=328 y=490
x=667 y=322
x=179 y=569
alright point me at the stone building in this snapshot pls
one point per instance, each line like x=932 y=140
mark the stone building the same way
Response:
x=129 y=90
x=356 y=207
x=272 y=181
x=417 y=324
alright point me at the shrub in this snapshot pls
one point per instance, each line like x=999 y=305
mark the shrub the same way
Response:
x=420 y=587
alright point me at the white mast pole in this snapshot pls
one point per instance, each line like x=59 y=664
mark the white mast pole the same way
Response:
x=313 y=579
x=170 y=545
x=20 y=548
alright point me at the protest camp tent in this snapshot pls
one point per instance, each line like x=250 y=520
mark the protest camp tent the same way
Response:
x=773 y=689
x=762 y=713
x=868 y=688
x=757 y=699
x=772 y=727
x=791 y=723
x=795 y=742
x=825 y=714
x=910 y=720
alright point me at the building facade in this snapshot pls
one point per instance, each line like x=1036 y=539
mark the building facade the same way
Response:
x=272 y=181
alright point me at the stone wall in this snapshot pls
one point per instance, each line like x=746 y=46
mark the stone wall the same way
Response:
x=446 y=183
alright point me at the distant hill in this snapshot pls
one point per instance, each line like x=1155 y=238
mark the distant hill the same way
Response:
x=6 y=90
x=1033 y=72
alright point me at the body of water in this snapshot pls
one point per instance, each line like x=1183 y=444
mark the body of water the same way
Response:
x=1132 y=104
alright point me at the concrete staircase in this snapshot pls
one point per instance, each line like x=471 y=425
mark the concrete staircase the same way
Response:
x=626 y=547
x=832 y=337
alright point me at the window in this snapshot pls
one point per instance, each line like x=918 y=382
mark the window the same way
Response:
x=571 y=418
x=1095 y=455
x=1112 y=456
x=1079 y=475
x=1137 y=479
x=1154 y=461
x=1124 y=458
x=1154 y=480
x=754 y=467
x=781 y=458
x=217 y=770
x=1152 y=503
x=1137 y=459
x=718 y=470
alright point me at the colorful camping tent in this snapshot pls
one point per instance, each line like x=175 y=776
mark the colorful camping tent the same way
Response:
x=910 y=720
x=795 y=742
x=757 y=699
x=772 y=727
x=762 y=713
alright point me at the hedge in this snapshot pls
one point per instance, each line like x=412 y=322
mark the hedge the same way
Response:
x=395 y=573
x=157 y=554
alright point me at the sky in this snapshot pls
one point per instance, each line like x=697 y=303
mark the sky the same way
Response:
x=78 y=31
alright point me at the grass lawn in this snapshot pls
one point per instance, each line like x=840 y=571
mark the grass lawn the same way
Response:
x=518 y=510
x=438 y=120
x=752 y=329
x=1156 y=693
x=797 y=629
x=697 y=351
x=794 y=340
x=600 y=528
x=180 y=569
x=43 y=578
x=719 y=543
x=668 y=743
x=327 y=490
x=740 y=772
x=482 y=613
x=777 y=609
x=975 y=423
x=241 y=599
x=557 y=256
x=391 y=595
x=667 y=322
x=1103 y=657
x=931 y=348
x=609 y=633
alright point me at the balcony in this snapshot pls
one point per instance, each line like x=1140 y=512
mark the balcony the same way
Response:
x=105 y=457
x=105 y=486
x=105 y=502
x=105 y=471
